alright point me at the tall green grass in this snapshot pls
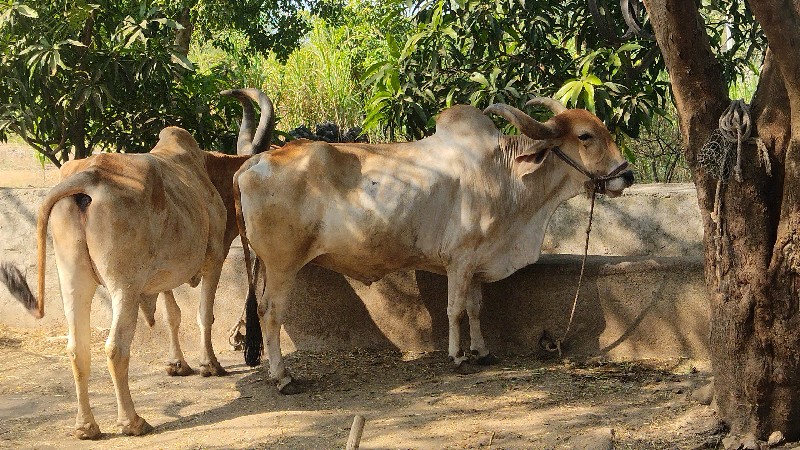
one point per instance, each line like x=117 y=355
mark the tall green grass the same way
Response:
x=318 y=83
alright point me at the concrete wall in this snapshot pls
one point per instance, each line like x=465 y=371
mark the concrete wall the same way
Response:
x=643 y=296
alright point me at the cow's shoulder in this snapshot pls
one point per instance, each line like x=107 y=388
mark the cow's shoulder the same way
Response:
x=464 y=122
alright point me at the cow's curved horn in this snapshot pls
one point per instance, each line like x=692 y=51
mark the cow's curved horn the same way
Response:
x=251 y=142
x=550 y=103
x=524 y=123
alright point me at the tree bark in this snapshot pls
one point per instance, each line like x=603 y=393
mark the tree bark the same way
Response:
x=183 y=37
x=779 y=330
x=754 y=304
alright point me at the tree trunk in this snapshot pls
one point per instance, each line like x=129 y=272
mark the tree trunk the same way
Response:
x=183 y=37
x=754 y=304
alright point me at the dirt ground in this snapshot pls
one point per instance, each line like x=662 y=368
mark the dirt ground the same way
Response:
x=408 y=400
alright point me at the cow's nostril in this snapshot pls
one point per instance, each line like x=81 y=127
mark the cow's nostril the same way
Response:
x=628 y=177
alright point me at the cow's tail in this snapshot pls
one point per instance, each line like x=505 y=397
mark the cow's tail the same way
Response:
x=11 y=276
x=253 y=339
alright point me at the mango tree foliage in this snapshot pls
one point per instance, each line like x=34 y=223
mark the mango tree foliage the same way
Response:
x=478 y=52
x=271 y=26
x=78 y=77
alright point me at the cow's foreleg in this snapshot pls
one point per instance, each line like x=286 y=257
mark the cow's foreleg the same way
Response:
x=176 y=365
x=118 y=352
x=278 y=288
x=458 y=283
x=477 y=345
x=205 y=318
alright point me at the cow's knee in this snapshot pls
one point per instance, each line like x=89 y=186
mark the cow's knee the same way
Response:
x=114 y=351
x=72 y=350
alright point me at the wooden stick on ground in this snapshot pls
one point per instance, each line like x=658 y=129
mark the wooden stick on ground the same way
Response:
x=355 y=433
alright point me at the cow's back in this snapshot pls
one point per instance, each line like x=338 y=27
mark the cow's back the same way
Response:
x=155 y=215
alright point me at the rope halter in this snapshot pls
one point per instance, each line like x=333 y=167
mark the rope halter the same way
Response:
x=595 y=184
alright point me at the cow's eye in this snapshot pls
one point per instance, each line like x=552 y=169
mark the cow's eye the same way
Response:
x=585 y=137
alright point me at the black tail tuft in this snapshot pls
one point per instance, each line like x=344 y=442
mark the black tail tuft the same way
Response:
x=15 y=281
x=253 y=340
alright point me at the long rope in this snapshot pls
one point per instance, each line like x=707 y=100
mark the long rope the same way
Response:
x=560 y=340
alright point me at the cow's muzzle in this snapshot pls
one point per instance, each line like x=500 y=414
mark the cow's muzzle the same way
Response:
x=611 y=186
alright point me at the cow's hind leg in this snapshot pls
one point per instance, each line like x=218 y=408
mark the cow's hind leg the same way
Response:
x=77 y=289
x=118 y=352
x=477 y=345
x=278 y=287
x=176 y=365
x=205 y=318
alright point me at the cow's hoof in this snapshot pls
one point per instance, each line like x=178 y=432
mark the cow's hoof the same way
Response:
x=465 y=369
x=88 y=431
x=138 y=427
x=288 y=386
x=486 y=360
x=459 y=360
x=179 y=369
x=214 y=369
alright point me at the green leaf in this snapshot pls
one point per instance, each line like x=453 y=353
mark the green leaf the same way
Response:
x=577 y=88
x=394 y=81
x=53 y=64
x=589 y=97
x=564 y=90
x=479 y=78
x=26 y=11
x=629 y=46
x=182 y=60
x=593 y=80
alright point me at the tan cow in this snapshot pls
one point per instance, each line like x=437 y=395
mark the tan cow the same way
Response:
x=139 y=225
x=468 y=202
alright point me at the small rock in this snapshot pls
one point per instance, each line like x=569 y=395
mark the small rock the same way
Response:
x=704 y=395
x=731 y=443
x=775 y=438
x=602 y=439
x=749 y=442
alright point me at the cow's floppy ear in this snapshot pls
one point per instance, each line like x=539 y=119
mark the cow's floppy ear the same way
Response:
x=528 y=162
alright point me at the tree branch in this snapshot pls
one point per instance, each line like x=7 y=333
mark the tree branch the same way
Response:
x=698 y=89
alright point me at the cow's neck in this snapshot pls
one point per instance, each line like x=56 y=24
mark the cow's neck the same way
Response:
x=539 y=194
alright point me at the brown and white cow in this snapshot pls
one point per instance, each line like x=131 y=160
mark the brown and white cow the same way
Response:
x=140 y=225
x=468 y=202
